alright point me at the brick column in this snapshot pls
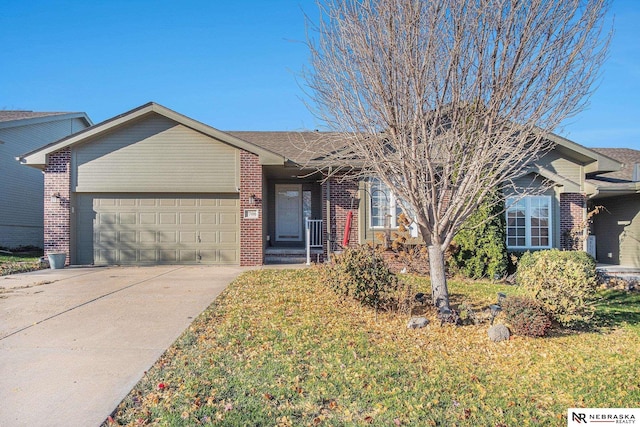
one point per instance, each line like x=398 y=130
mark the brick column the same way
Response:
x=342 y=194
x=572 y=214
x=57 y=213
x=251 y=246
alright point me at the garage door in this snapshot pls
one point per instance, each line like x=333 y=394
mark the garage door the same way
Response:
x=153 y=229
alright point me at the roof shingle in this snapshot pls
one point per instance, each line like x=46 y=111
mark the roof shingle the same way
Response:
x=11 y=115
x=627 y=156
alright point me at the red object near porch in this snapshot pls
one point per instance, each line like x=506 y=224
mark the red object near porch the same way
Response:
x=347 y=229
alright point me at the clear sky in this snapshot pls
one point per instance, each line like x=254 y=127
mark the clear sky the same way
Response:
x=232 y=64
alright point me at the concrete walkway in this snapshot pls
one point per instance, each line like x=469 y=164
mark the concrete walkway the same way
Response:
x=73 y=342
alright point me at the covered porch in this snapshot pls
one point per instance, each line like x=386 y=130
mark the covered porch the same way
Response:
x=292 y=196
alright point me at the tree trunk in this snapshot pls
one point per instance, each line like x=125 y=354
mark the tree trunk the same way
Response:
x=439 y=290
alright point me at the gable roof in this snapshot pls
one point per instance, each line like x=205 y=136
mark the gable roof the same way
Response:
x=38 y=158
x=14 y=118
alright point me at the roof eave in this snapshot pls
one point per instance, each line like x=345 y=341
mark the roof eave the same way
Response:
x=596 y=163
x=603 y=191
x=38 y=158
x=46 y=119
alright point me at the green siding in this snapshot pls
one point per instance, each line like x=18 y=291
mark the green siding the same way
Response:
x=621 y=241
x=155 y=154
x=562 y=166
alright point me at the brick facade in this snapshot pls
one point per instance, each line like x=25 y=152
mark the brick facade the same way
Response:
x=572 y=214
x=343 y=197
x=251 y=245
x=57 y=213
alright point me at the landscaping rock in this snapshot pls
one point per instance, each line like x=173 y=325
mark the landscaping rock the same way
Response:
x=417 y=322
x=498 y=333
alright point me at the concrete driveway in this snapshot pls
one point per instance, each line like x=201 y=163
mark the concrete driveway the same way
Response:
x=73 y=342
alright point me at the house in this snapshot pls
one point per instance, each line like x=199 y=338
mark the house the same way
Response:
x=21 y=189
x=154 y=186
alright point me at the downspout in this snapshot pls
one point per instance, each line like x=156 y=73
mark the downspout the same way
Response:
x=329 y=214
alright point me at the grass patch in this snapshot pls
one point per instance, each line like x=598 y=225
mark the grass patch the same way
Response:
x=19 y=262
x=279 y=348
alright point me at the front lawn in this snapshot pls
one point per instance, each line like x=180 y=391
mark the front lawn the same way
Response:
x=279 y=348
x=19 y=263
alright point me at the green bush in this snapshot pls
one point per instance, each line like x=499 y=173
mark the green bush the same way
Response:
x=564 y=282
x=526 y=317
x=479 y=249
x=362 y=274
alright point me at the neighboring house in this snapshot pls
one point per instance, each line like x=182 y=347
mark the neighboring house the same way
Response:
x=152 y=186
x=21 y=189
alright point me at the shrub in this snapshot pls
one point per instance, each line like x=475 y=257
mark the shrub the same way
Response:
x=564 y=282
x=479 y=249
x=362 y=274
x=526 y=317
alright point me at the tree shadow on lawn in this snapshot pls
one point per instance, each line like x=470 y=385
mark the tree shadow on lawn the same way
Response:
x=614 y=308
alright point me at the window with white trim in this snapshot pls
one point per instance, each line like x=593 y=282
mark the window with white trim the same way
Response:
x=529 y=222
x=384 y=206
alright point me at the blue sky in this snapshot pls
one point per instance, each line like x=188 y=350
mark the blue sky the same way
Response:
x=231 y=64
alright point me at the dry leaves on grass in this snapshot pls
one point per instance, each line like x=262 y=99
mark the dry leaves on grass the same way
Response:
x=280 y=348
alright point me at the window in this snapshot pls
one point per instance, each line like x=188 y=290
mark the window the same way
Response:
x=529 y=222
x=385 y=208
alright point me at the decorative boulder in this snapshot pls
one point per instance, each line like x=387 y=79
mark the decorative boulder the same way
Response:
x=417 y=322
x=498 y=333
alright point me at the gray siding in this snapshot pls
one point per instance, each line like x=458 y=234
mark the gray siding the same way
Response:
x=155 y=154
x=21 y=187
x=554 y=162
x=618 y=244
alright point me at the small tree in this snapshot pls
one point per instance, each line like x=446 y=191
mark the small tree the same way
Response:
x=446 y=100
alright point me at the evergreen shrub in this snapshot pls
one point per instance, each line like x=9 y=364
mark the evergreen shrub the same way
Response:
x=479 y=249
x=564 y=282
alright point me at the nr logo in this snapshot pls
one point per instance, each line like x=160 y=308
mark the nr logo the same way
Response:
x=578 y=417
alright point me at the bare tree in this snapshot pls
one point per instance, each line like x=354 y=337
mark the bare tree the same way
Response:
x=444 y=100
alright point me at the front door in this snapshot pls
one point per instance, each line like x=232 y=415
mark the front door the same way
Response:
x=289 y=212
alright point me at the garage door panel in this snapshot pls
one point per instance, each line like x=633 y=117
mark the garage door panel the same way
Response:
x=147 y=255
x=228 y=218
x=106 y=236
x=167 y=218
x=128 y=257
x=148 y=237
x=187 y=237
x=127 y=218
x=147 y=218
x=108 y=218
x=127 y=236
x=188 y=218
x=148 y=229
x=228 y=256
x=208 y=218
x=228 y=237
x=188 y=256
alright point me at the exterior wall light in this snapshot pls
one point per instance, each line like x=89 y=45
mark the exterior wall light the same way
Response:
x=55 y=198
